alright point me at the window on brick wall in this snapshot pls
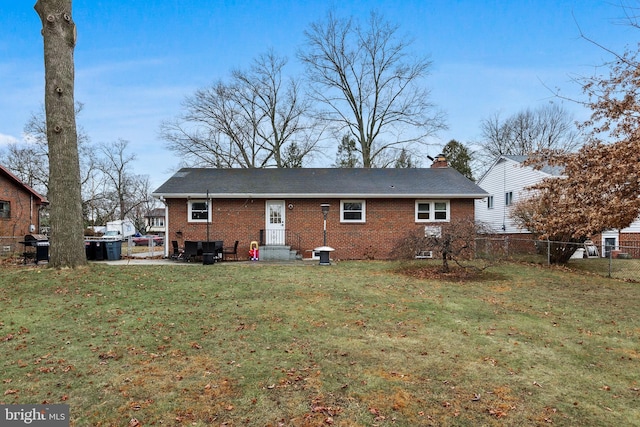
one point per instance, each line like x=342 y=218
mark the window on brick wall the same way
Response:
x=352 y=211
x=432 y=210
x=5 y=209
x=199 y=211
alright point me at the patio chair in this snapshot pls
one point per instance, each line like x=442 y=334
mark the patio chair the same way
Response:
x=214 y=247
x=231 y=251
x=190 y=250
x=177 y=252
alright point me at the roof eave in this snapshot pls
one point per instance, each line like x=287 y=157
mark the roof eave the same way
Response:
x=316 y=196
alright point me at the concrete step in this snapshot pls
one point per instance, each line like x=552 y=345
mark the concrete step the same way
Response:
x=276 y=253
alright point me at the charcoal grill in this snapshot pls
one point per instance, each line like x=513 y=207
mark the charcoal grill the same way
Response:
x=36 y=248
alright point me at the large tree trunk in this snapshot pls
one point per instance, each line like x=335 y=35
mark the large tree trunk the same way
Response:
x=59 y=33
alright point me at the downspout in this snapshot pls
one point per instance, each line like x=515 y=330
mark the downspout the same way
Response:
x=166 y=227
x=32 y=227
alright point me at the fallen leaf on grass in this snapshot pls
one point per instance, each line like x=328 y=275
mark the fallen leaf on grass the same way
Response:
x=134 y=423
x=497 y=413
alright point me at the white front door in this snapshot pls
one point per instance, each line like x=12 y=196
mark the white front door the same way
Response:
x=275 y=227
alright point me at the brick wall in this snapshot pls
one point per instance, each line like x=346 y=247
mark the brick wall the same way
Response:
x=23 y=214
x=630 y=243
x=387 y=220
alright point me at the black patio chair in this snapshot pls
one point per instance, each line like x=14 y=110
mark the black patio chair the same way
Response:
x=177 y=252
x=190 y=250
x=213 y=247
x=231 y=251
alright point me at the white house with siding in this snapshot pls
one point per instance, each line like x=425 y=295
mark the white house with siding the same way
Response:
x=506 y=182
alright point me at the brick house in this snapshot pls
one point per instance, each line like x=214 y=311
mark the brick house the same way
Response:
x=370 y=209
x=19 y=210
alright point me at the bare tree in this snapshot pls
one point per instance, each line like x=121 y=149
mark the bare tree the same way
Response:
x=123 y=189
x=548 y=127
x=29 y=160
x=452 y=241
x=59 y=34
x=369 y=83
x=256 y=120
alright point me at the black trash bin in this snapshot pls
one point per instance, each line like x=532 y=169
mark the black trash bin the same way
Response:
x=94 y=250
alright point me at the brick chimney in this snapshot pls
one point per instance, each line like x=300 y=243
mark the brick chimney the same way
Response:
x=440 y=162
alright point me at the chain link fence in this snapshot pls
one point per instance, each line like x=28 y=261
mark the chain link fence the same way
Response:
x=620 y=262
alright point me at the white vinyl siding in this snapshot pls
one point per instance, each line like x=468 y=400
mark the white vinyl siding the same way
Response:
x=506 y=176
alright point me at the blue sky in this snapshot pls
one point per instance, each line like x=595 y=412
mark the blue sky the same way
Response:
x=136 y=61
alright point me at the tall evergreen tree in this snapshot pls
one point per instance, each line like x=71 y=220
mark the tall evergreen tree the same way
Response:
x=459 y=158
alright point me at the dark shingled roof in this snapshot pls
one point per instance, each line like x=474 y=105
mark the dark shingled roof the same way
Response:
x=311 y=183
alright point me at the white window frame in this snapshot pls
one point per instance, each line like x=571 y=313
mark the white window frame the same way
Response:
x=157 y=221
x=190 y=210
x=363 y=211
x=490 y=202
x=432 y=210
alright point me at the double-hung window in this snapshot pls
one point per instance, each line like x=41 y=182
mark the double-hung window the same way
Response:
x=490 y=202
x=199 y=211
x=352 y=211
x=432 y=211
x=508 y=198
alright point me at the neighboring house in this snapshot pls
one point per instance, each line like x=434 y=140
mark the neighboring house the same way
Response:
x=506 y=182
x=370 y=209
x=154 y=221
x=19 y=211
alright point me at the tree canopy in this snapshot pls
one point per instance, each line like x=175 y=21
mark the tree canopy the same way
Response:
x=600 y=187
x=550 y=127
x=366 y=83
x=459 y=158
x=258 y=118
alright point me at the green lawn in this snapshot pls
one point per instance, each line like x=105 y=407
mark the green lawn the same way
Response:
x=354 y=344
x=624 y=269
